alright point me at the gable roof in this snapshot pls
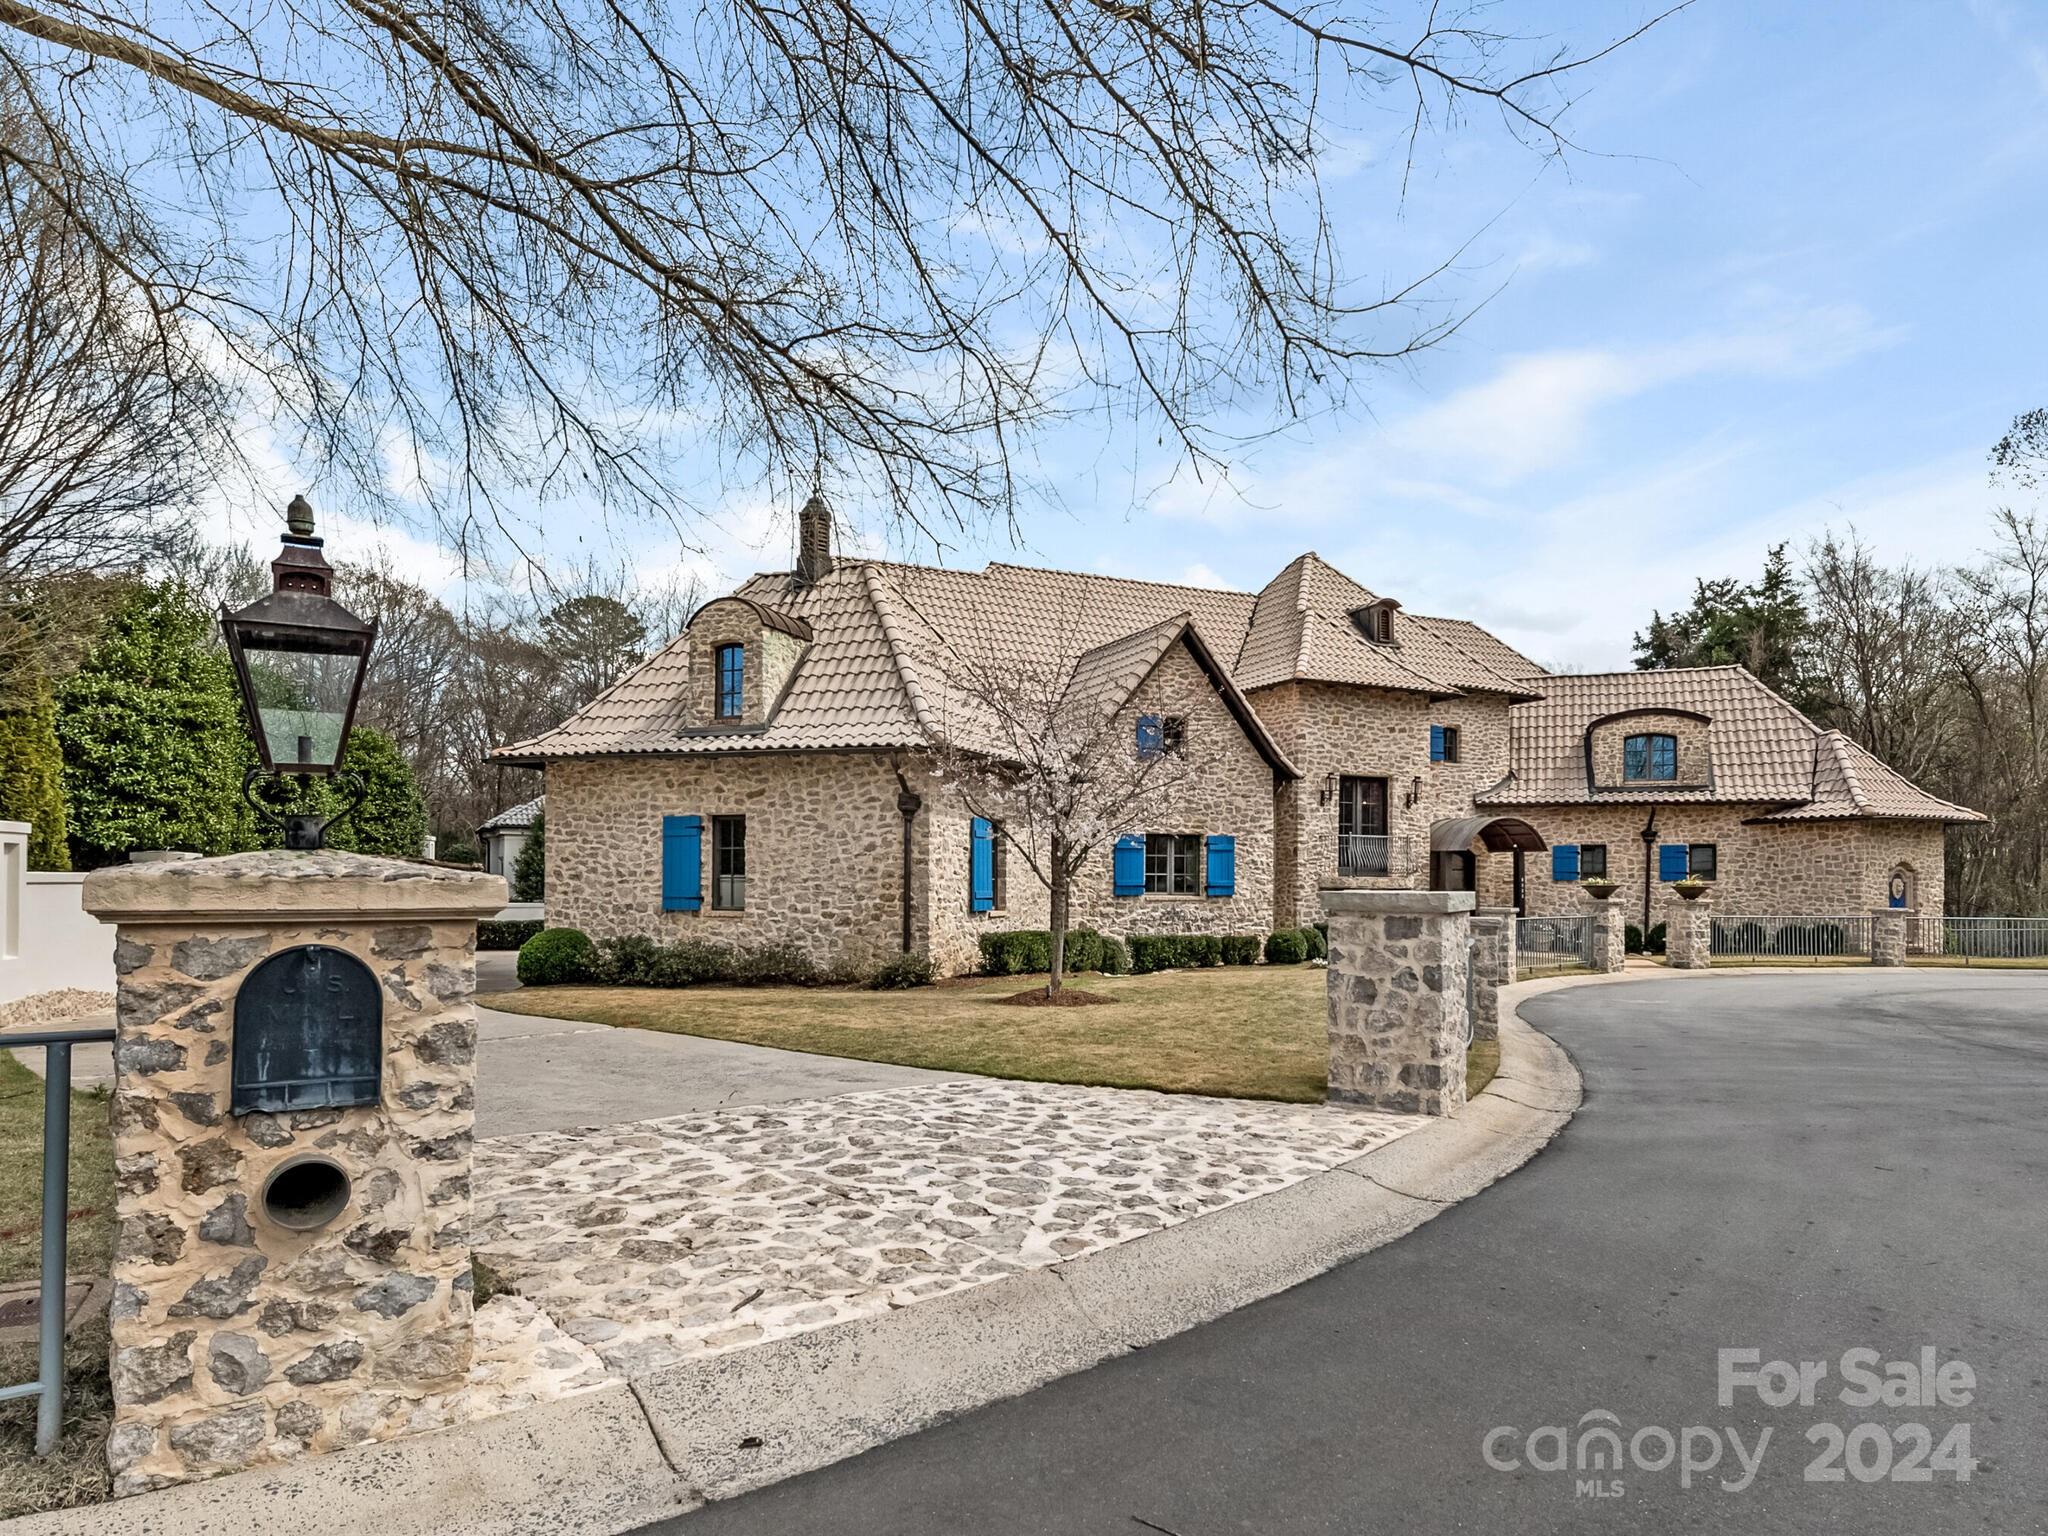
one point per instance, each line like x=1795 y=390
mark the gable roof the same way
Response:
x=1763 y=750
x=875 y=673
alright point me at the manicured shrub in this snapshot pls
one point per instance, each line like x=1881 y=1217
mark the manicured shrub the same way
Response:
x=1241 y=949
x=1287 y=947
x=1203 y=949
x=557 y=957
x=1315 y=944
x=773 y=965
x=1653 y=941
x=492 y=934
x=392 y=820
x=1084 y=950
x=1154 y=952
x=1632 y=939
x=1017 y=951
x=1114 y=960
x=32 y=776
x=903 y=972
x=530 y=869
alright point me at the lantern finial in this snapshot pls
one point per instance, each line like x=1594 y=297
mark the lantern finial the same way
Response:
x=298 y=517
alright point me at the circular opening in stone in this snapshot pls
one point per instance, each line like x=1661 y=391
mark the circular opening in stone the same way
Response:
x=305 y=1193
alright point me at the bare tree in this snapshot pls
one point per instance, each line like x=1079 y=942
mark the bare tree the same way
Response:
x=543 y=241
x=1050 y=758
x=109 y=420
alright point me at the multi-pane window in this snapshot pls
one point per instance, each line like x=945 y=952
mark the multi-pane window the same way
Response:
x=1443 y=743
x=732 y=681
x=728 y=863
x=1703 y=861
x=1173 y=863
x=1650 y=757
x=1592 y=861
x=1361 y=826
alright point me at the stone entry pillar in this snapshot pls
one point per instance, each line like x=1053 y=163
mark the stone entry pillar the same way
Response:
x=1888 y=930
x=1397 y=1003
x=287 y=1278
x=1493 y=967
x=1610 y=933
x=1689 y=932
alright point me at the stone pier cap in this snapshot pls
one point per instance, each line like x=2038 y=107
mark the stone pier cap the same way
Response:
x=268 y=888
x=1396 y=903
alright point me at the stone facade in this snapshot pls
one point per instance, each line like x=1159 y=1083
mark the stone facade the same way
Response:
x=1330 y=731
x=1493 y=967
x=1689 y=932
x=770 y=660
x=1607 y=743
x=824 y=849
x=238 y=1340
x=1610 y=933
x=1766 y=869
x=1397 y=1011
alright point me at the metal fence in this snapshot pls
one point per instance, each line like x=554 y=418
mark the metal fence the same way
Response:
x=1361 y=853
x=1977 y=940
x=48 y=1387
x=1791 y=938
x=1552 y=943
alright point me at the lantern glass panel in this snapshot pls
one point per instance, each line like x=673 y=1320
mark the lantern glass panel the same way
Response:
x=302 y=702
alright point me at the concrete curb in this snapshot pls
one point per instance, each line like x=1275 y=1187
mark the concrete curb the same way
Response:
x=663 y=1444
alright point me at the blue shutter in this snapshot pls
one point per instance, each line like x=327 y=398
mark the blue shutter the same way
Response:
x=1151 y=736
x=1564 y=862
x=1436 y=743
x=1671 y=861
x=682 y=863
x=1129 y=868
x=1222 y=872
x=981 y=866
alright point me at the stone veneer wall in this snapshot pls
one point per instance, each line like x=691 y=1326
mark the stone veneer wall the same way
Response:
x=824 y=848
x=771 y=658
x=236 y=1341
x=1766 y=869
x=954 y=932
x=1328 y=728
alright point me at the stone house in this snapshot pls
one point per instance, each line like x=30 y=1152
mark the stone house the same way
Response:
x=501 y=838
x=768 y=776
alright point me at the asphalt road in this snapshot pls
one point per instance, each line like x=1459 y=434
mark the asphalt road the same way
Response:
x=1800 y=1166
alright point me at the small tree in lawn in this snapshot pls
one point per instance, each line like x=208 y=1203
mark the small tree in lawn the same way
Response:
x=1054 y=762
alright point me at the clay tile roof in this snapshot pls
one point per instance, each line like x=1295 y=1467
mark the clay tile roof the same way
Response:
x=884 y=638
x=1763 y=750
x=517 y=817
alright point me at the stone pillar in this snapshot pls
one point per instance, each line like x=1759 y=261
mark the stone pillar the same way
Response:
x=1888 y=929
x=293 y=1277
x=1610 y=933
x=1397 y=998
x=1493 y=967
x=1689 y=932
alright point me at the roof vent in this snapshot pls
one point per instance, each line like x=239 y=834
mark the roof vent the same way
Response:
x=1375 y=620
x=814 y=540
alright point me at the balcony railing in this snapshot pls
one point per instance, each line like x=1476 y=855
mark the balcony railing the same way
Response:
x=1362 y=853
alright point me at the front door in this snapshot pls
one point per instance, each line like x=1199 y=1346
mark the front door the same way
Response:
x=1453 y=869
x=1361 y=826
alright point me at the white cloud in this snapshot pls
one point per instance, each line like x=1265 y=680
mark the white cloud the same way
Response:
x=1549 y=253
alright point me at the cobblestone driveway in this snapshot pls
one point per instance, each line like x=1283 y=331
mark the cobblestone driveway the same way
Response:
x=661 y=1240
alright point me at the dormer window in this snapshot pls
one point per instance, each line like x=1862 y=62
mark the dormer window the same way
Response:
x=1376 y=620
x=732 y=681
x=1653 y=756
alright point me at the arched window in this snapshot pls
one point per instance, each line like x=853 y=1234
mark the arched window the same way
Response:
x=1650 y=757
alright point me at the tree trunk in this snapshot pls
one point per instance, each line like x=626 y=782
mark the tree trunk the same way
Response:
x=1058 y=920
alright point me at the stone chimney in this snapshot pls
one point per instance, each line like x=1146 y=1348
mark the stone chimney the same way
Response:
x=814 y=540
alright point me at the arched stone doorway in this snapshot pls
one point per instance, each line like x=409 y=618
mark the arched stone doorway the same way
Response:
x=1452 y=864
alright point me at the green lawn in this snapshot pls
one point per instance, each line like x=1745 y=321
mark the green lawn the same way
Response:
x=1249 y=1032
x=77 y=1473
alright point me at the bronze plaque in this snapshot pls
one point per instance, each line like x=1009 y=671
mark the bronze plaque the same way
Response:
x=309 y=1033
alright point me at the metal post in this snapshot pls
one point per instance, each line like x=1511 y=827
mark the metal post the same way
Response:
x=56 y=1203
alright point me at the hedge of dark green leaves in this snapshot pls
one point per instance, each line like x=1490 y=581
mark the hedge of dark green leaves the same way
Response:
x=1287 y=947
x=557 y=957
x=1028 y=951
x=1186 y=951
x=493 y=934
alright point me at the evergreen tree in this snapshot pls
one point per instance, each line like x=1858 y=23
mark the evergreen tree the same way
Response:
x=32 y=778
x=152 y=735
x=530 y=869
x=1762 y=625
x=392 y=820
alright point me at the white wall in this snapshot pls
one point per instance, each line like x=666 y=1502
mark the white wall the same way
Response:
x=501 y=850
x=60 y=945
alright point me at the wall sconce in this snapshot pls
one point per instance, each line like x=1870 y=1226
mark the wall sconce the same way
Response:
x=1329 y=789
x=1414 y=793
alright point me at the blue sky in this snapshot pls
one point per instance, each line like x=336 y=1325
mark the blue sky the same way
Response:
x=1794 y=279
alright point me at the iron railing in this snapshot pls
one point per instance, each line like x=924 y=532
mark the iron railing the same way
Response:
x=1552 y=943
x=1363 y=853
x=1791 y=938
x=1968 y=940
x=48 y=1387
